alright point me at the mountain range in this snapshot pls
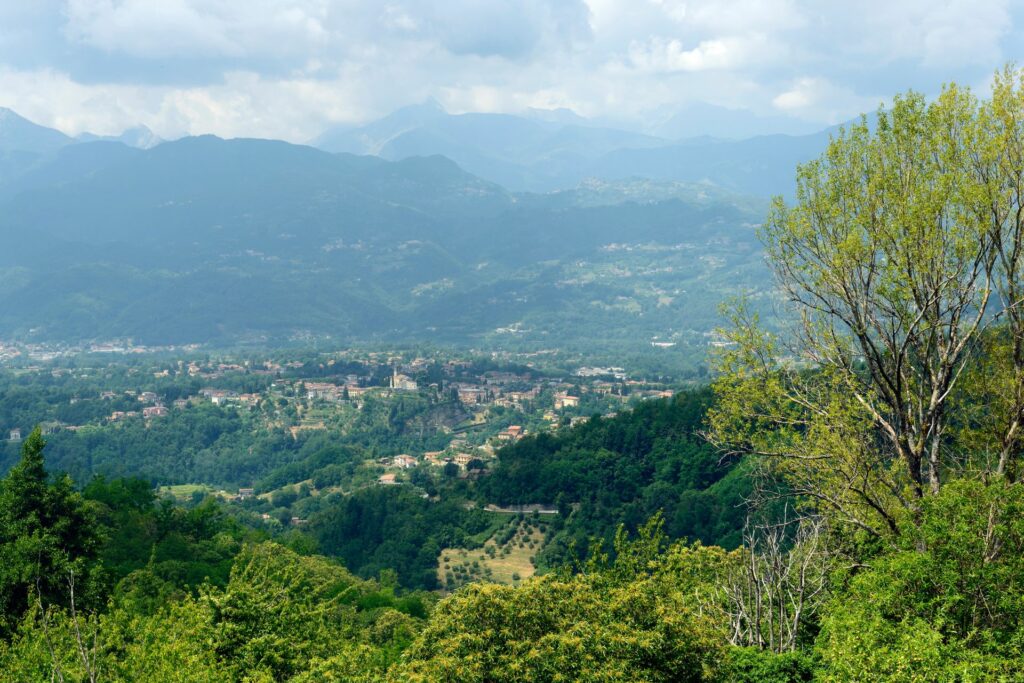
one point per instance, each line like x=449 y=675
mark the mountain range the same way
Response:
x=538 y=151
x=231 y=241
x=543 y=152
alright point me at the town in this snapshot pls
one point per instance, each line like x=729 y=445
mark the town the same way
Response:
x=458 y=410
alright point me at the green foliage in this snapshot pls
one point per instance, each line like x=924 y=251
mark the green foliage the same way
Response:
x=906 y=240
x=624 y=470
x=753 y=665
x=394 y=528
x=153 y=550
x=47 y=536
x=946 y=605
x=633 y=620
x=279 y=611
x=280 y=617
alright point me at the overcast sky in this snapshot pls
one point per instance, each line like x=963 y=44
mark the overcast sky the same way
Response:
x=290 y=68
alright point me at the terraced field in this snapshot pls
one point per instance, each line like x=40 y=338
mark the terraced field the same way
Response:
x=507 y=558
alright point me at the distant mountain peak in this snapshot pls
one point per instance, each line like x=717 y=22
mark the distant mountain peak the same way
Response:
x=557 y=115
x=18 y=133
x=426 y=110
x=139 y=137
x=11 y=116
x=432 y=103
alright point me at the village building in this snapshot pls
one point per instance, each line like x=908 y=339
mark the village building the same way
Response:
x=323 y=391
x=656 y=393
x=400 y=382
x=219 y=397
x=387 y=479
x=154 y=411
x=435 y=458
x=563 y=400
x=513 y=433
x=472 y=396
x=404 y=461
x=496 y=377
x=523 y=396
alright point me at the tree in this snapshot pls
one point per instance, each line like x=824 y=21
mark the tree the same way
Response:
x=639 y=618
x=952 y=612
x=902 y=251
x=47 y=537
x=779 y=586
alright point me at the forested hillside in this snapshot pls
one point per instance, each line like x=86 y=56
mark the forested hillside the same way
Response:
x=230 y=242
x=624 y=470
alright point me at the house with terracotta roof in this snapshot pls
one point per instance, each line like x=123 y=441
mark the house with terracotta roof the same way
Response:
x=513 y=433
x=563 y=400
x=405 y=461
x=154 y=411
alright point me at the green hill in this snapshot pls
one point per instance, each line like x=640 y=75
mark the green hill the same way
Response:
x=228 y=241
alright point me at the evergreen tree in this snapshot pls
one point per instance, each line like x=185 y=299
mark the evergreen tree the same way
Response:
x=47 y=537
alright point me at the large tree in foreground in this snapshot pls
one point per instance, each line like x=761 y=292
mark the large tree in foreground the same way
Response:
x=899 y=266
x=47 y=538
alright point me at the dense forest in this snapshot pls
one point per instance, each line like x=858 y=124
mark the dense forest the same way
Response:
x=623 y=470
x=109 y=584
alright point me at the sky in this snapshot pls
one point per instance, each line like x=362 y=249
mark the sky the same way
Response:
x=291 y=68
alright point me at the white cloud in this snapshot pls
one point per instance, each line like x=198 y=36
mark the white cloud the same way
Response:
x=938 y=32
x=659 y=54
x=818 y=99
x=290 y=67
x=735 y=16
x=196 y=28
x=804 y=93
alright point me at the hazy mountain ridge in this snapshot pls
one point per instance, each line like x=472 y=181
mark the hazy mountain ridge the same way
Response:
x=140 y=137
x=546 y=151
x=204 y=239
x=539 y=151
x=19 y=134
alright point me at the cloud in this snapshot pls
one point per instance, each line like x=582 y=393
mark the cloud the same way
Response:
x=511 y=29
x=659 y=54
x=938 y=32
x=290 y=68
x=196 y=28
x=819 y=99
x=736 y=16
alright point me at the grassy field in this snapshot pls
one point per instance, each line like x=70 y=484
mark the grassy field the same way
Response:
x=506 y=557
x=185 y=491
